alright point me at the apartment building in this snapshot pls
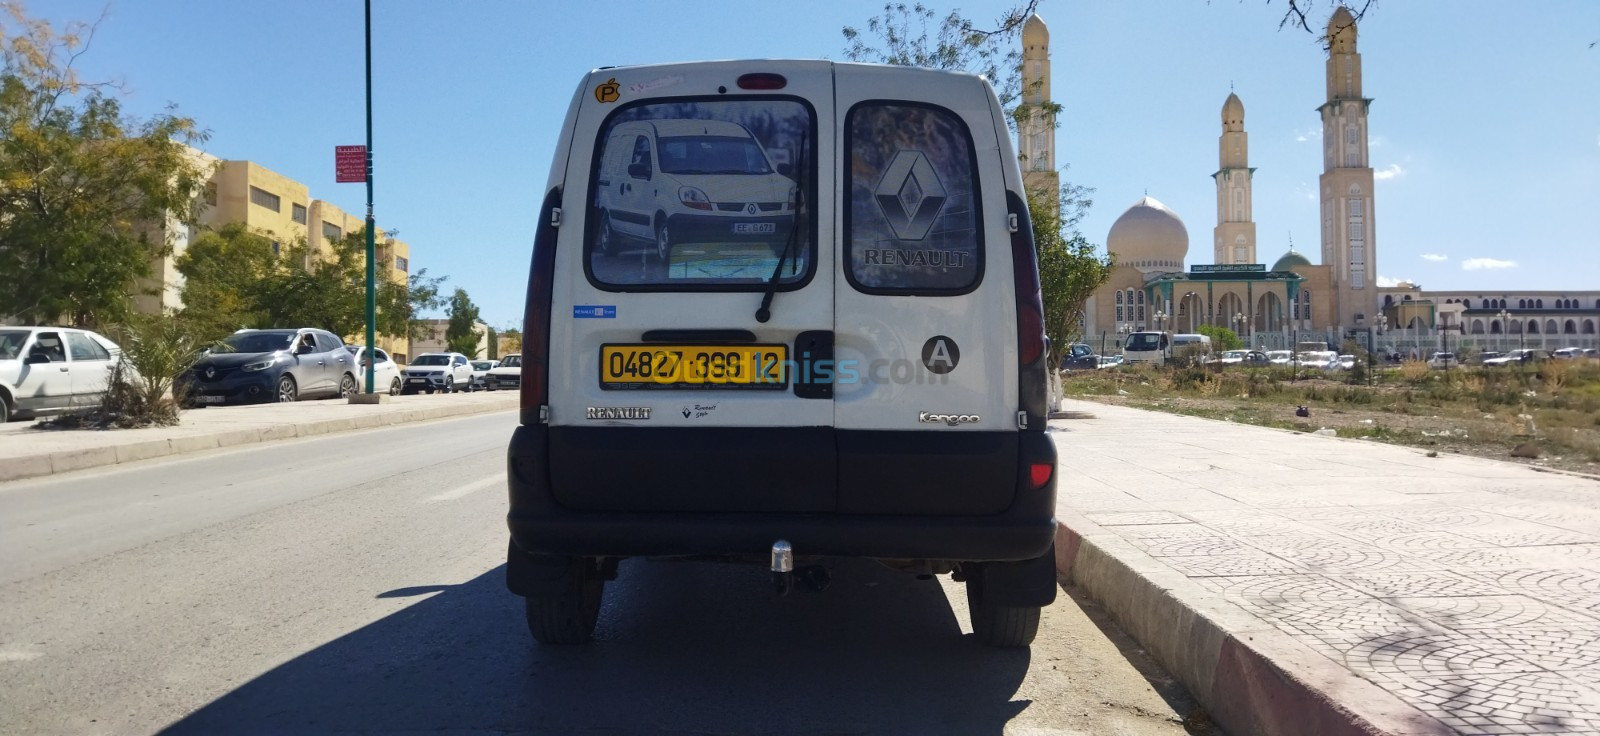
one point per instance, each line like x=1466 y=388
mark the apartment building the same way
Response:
x=276 y=206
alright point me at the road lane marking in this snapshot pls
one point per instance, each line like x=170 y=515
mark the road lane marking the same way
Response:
x=16 y=656
x=477 y=485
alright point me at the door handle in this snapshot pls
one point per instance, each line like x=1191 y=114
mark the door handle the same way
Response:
x=63 y=369
x=322 y=362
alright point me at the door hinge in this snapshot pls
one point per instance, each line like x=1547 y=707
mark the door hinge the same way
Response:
x=544 y=414
x=555 y=217
x=1022 y=420
x=1012 y=223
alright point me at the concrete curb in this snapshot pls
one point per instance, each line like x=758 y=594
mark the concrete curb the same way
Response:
x=33 y=466
x=1250 y=677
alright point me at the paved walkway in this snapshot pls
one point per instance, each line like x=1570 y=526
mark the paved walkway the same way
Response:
x=1469 y=588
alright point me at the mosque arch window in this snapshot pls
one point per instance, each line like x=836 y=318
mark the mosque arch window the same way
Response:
x=1494 y=327
x=1466 y=303
x=1570 y=328
x=1597 y=304
x=1522 y=304
x=1477 y=327
x=1119 y=306
x=1141 y=306
x=1549 y=327
x=1538 y=304
x=1588 y=325
x=1533 y=327
x=1515 y=327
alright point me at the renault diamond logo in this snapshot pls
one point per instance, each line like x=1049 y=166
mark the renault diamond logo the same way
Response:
x=910 y=195
x=211 y=372
x=750 y=209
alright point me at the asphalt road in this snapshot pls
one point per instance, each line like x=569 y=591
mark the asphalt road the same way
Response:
x=354 y=583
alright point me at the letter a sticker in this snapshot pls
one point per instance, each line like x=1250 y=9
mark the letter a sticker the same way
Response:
x=940 y=355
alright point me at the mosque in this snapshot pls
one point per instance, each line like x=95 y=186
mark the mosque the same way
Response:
x=1292 y=300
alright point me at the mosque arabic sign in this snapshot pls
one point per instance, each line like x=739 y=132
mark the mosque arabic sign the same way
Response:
x=1229 y=268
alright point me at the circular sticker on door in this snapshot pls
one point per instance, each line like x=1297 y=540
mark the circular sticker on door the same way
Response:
x=940 y=354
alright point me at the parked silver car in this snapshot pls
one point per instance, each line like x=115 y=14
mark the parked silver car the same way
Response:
x=45 y=370
x=271 y=365
x=430 y=372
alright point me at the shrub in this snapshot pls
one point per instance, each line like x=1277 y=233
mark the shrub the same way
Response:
x=141 y=390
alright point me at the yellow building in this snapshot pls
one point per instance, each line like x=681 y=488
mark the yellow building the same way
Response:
x=279 y=208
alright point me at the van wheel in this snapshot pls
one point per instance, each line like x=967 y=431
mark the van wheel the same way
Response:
x=567 y=614
x=1000 y=626
x=607 y=240
x=5 y=410
x=663 y=243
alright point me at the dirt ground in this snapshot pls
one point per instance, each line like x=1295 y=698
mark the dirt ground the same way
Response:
x=1506 y=420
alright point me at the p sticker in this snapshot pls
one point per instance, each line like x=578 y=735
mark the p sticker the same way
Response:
x=592 y=311
x=608 y=92
x=940 y=355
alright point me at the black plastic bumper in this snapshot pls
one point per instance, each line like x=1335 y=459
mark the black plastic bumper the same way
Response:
x=541 y=526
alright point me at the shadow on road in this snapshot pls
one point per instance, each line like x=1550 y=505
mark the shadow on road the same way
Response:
x=681 y=648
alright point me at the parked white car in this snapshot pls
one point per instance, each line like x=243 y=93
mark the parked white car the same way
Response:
x=46 y=370
x=1280 y=357
x=1347 y=362
x=1322 y=359
x=430 y=372
x=1567 y=354
x=1514 y=357
x=480 y=372
x=1442 y=360
x=506 y=375
x=1232 y=357
x=385 y=375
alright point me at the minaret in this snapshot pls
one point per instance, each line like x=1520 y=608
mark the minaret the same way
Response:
x=1036 y=134
x=1349 y=242
x=1235 y=236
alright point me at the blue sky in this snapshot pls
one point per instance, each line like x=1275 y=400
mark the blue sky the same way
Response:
x=1486 y=120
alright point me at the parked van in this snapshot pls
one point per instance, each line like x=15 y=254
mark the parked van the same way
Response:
x=665 y=181
x=1191 y=346
x=864 y=378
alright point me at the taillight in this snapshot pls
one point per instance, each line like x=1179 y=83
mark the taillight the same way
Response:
x=1030 y=300
x=1039 y=474
x=762 y=80
x=535 y=389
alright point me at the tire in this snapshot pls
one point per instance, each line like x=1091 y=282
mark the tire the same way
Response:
x=394 y=387
x=1000 y=626
x=488 y=385
x=287 y=390
x=347 y=386
x=5 y=410
x=449 y=384
x=663 y=243
x=567 y=615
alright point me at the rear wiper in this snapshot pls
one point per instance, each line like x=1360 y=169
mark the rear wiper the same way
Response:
x=764 y=312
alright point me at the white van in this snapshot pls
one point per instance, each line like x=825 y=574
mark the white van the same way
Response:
x=865 y=378
x=664 y=182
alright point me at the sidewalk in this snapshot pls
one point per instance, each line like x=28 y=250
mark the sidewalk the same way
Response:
x=26 y=452
x=1301 y=584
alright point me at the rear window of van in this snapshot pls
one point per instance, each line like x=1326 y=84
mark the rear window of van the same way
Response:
x=703 y=194
x=912 y=223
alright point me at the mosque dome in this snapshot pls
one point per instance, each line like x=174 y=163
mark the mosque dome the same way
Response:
x=1290 y=261
x=1342 y=31
x=1233 y=109
x=1034 y=32
x=1149 y=237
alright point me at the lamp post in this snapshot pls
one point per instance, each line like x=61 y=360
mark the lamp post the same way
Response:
x=1238 y=325
x=1505 y=326
x=372 y=280
x=1161 y=320
x=1122 y=336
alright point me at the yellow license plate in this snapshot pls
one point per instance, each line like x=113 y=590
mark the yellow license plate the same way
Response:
x=694 y=366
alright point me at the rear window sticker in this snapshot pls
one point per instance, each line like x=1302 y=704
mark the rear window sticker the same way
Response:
x=591 y=311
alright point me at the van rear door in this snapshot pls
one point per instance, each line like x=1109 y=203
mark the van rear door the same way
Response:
x=924 y=301
x=664 y=250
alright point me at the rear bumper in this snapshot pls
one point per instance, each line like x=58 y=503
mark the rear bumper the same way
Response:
x=539 y=524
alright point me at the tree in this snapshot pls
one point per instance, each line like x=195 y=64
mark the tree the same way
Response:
x=494 y=345
x=224 y=274
x=1070 y=268
x=1222 y=338
x=513 y=338
x=86 y=191
x=462 y=334
x=400 y=306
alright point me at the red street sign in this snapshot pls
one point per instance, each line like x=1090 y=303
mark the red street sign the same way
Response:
x=350 y=164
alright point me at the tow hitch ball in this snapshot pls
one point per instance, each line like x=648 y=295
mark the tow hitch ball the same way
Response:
x=782 y=567
x=813 y=577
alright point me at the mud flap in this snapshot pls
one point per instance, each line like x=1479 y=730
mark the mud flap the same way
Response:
x=1023 y=583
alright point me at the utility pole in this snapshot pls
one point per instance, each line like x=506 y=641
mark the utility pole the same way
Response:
x=372 y=268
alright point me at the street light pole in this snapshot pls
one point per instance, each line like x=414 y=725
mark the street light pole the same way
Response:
x=372 y=267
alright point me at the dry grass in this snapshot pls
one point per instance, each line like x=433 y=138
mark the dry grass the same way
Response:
x=1482 y=411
